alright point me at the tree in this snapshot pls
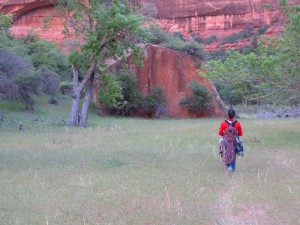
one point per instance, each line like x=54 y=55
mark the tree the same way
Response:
x=17 y=78
x=108 y=29
x=272 y=72
x=45 y=54
x=5 y=21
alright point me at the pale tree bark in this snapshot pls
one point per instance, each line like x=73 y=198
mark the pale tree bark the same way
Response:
x=75 y=98
x=77 y=90
x=86 y=103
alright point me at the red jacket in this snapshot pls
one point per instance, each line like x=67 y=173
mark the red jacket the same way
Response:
x=237 y=126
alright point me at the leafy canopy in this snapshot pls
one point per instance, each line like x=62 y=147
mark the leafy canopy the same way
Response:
x=106 y=28
x=272 y=73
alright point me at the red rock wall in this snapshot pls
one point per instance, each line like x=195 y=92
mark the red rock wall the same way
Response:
x=217 y=17
x=220 y=17
x=173 y=72
x=28 y=18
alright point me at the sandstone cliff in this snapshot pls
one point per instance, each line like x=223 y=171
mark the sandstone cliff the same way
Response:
x=207 y=17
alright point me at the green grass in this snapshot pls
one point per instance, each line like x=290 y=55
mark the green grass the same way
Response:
x=138 y=171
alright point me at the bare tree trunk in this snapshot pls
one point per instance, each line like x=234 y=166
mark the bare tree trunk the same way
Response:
x=75 y=98
x=29 y=104
x=86 y=102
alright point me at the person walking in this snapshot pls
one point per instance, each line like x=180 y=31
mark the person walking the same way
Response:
x=230 y=130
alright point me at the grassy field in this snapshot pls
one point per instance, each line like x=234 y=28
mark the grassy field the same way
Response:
x=138 y=171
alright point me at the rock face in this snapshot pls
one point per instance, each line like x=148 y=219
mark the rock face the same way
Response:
x=173 y=72
x=219 y=17
x=28 y=18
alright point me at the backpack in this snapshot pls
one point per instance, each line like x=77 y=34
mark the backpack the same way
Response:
x=230 y=136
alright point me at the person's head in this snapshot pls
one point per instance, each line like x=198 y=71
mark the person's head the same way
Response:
x=231 y=113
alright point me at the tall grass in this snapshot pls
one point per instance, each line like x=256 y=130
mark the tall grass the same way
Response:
x=137 y=171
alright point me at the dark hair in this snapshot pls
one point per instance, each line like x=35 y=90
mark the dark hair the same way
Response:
x=231 y=113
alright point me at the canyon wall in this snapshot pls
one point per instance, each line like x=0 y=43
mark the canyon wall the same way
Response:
x=207 y=17
x=220 y=17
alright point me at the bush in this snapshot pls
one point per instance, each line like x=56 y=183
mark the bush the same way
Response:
x=18 y=81
x=130 y=92
x=231 y=39
x=179 y=35
x=199 y=100
x=177 y=42
x=53 y=100
x=154 y=105
x=46 y=54
x=65 y=87
x=218 y=55
x=159 y=36
x=50 y=80
x=205 y=41
x=262 y=30
x=110 y=93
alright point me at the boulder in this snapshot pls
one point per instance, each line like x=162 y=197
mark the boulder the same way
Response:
x=173 y=71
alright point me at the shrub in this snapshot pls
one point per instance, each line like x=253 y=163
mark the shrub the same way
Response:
x=18 y=81
x=220 y=54
x=50 y=80
x=205 y=41
x=262 y=30
x=130 y=93
x=65 y=87
x=199 y=100
x=179 y=35
x=231 y=39
x=177 y=42
x=53 y=100
x=110 y=93
x=5 y=21
x=159 y=36
x=154 y=105
x=46 y=54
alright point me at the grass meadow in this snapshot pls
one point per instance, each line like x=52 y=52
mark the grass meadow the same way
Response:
x=140 y=171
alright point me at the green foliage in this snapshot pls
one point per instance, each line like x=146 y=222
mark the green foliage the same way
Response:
x=227 y=93
x=262 y=30
x=158 y=35
x=120 y=94
x=18 y=80
x=178 y=35
x=45 y=54
x=50 y=80
x=271 y=73
x=110 y=92
x=65 y=87
x=199 y=100
x=29 y=64
x=5 y=21
x=234 y=38
x=177 y=42
x=205 y=41
x=130 y=93
x=220 y=54
x=245 y=71
x=154 y=105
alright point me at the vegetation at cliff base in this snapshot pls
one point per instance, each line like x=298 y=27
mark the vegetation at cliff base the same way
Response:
x=269 y=74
